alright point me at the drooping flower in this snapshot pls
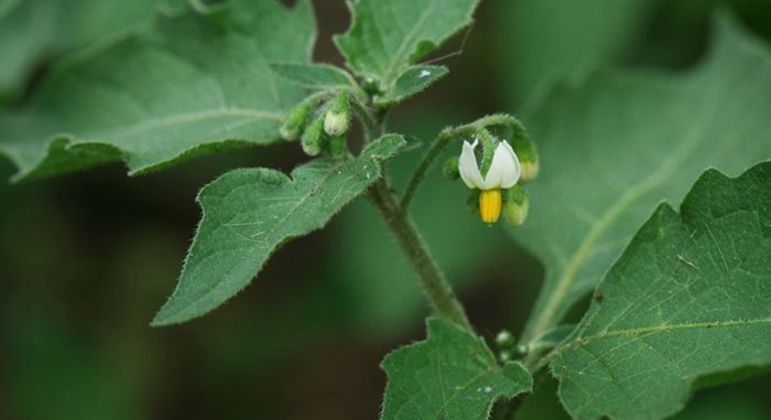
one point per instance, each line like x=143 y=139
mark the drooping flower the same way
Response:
x=503 y=173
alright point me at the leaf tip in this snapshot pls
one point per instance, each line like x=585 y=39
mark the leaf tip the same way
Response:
x=164 y=319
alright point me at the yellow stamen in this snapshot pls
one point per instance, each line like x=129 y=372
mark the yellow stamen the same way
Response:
x=490 y=205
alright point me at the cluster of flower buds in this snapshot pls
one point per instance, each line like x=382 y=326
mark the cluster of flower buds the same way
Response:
x=495 y=170
x=320 y=129
x=504 y=342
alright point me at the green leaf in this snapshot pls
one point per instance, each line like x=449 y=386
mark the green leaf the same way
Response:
x=314 y=76
x=386 y=37
x=451 y=375
x=249 y=213
x=689 y=297
x=551 y=338
x=208 y=6
x=553 y=41
x=194 y=85
x=613 y=149
x=34 y=30
x=6 y=6
x=413 y=81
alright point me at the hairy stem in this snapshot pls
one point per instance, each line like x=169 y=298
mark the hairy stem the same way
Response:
x=438 y=291
x=435 y=286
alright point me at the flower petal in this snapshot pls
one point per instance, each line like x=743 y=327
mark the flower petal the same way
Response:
x=504 y=170
x=467 y=166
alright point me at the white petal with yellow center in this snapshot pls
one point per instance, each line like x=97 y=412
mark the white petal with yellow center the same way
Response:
x=504 y=170
x=467 y=166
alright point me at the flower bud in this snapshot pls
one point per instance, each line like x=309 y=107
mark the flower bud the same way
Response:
x=295 y=121
x=450 y=168
x=529 y=170
x=313 y=138
x=504 y=340
x=370 y=85
x=515 y=205
x=337 y=117
x=528 y=157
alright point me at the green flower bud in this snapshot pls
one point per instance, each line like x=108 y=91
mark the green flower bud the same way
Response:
x=504 y=340
x=370 y=86
x=529 y=170
x=295 y=121
x=528 y=156
x=515 y=205
x=337 y=117
x=450 y=168
x=313 y=138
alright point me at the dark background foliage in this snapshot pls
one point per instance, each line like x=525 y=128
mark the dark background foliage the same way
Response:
x=86 y=259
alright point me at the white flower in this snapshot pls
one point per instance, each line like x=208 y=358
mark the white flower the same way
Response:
x=504 y=170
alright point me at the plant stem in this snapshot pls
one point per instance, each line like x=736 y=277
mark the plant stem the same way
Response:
x=438 y=291
x=420 y=172
x=435 y=286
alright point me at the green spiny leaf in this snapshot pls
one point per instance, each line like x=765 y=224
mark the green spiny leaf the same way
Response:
x=451 y=375
x=249 y=213
x=613 y=149
x=689 y=297
x=191 y=86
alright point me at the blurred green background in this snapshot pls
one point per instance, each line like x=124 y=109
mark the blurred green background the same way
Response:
x=86 y=259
